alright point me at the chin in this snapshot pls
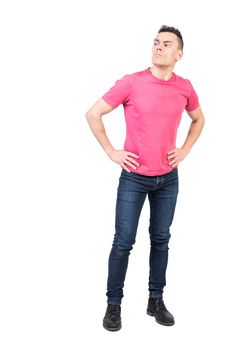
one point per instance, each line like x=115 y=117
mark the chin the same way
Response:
x=157 y=61
x=158 y=64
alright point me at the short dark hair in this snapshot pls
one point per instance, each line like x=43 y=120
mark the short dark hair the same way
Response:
x=174 y=30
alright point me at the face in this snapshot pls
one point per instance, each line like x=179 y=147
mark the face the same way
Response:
x=165 y=51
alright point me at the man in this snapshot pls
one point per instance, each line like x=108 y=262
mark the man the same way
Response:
x=153 y=101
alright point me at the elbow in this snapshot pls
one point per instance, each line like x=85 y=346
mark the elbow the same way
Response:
x=88 y=115
x=92 y=117
x=203 y=121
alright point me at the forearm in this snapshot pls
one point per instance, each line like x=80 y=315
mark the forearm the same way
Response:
x=176 y=155
x=99 y=132
x=193 y=134
x=125 y=159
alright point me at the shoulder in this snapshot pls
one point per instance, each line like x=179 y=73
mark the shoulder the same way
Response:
x=183 y=81
x=138 y=74
x=133 y=77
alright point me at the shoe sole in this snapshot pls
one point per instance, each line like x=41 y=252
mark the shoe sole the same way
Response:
x=163 y=324
x=113 y=329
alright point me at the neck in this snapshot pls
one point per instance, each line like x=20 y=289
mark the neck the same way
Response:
x=163 y=73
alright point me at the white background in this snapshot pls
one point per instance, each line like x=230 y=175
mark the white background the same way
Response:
x=58 y=188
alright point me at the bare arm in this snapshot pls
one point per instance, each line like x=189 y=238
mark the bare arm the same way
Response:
x=176 y=155
x=94 y=118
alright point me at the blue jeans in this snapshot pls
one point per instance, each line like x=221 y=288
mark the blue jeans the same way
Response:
x=132 y=190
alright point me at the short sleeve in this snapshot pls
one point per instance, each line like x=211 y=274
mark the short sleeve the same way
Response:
x=118 y=93
x=193 y=101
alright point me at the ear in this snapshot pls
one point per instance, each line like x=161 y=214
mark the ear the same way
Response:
x=179 y=55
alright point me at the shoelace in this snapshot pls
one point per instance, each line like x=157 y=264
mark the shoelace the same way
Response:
x=159 y=304
x=113 y=310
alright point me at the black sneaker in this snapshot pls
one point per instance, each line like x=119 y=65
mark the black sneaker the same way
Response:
x=157 y=308
x=112 y=319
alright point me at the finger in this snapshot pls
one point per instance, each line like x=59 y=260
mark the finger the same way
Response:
x=130 y=164
x=173 y=162
x=172 y=151
x=132 y=161
x=132 y=154
x=171 y=156
x=125 y=168
x=175 y=165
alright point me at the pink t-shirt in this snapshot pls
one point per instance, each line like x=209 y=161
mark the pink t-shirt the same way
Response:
x=153 y=109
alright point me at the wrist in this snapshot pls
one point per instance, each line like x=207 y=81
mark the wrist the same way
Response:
x=110 y=151
x=186 y=149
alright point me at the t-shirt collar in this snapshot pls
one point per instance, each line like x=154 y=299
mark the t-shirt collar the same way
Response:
x=160 y=81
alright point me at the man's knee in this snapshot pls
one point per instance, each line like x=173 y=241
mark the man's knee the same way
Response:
x=159 y=240
x=123 y=246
